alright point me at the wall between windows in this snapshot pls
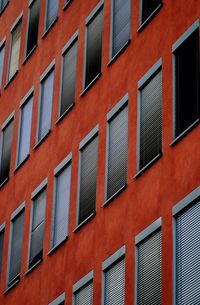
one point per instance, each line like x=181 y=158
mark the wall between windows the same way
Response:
x=145 y=199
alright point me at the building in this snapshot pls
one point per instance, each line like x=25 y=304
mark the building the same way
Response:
x=100 y=152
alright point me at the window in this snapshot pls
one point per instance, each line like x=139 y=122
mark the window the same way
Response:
x=186 y=80
x=24 y=132
x=45 y=102
x=3 y=4
x=2 y=52
x=14 y=49
x=6 y=142
x=62 y=182
x=2 y=227
x=87 y=175
x=149 y=116
x=51 y=13
x=68 y=76
x=114 y=279
x=148 y=8
x=15 y=248
x=117 y=138
x=120 y=25
x=37 y=225
x=59 y=300
x=148 y=265
x=83 y=290
x=32 y=30
x=186 y=249
x=93 y=46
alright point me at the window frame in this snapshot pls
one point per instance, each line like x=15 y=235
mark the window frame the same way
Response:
x=187 y=201
x=58 y=300
x=80 y=284
x=142 y=24
x=147 y=232
x=2 y=230
x=47 y=29
x=175 y=46
x=2 y=46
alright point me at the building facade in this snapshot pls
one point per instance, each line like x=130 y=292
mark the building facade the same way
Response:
x=99 y=152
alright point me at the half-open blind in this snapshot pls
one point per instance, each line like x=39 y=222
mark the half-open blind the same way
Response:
x=69 y=77
x=87 y=182
x=37 y=231
x=25 y=130
x=188 y=256
x=148 y=7
x=94 y=48
x=1 y=249
x=34 y=12
x=115 y=284
x=150 y=120
x=117 y=151
x=46 y=105
x=6 y=152
x=2 y=52
x=16 y=247
x=149 y=270
x=15 y=50
x=187 y=83
x=84 y=295
x=121 y=24
x=51 y=13
x=61 y=209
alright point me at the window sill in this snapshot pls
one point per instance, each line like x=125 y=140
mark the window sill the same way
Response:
x=20 y=164
x=91 y=84
x=65 y=113
x=184 y=133
x=3 y=9
x=141 y=171
x=149 y=18
x=10 y=80
x=83 y=222
x=52 y=250
x=14 y=283
x=4 y=182
x=33 y=267
x=119 y=53
x=42 y=140
x=114 y=196
x=49 y=28
x=29 y=54
x=66 y=5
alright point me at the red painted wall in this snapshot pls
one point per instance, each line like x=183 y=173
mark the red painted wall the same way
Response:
x=145 y=199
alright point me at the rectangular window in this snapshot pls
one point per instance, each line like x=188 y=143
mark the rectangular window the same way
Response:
x=15 y=248
x=2 y=52
x=83 y=290
x=14 y=50
x=149 y=116
x=24 y=129
x=186 y=80
x=117 y=140
x=32 y=30
x=51 y=13
x=148 y=7
x=69 y=58
x=148 y=265
x=62 y=182
x=3 y=3
x=87 y=175
x=45 y=103
x=114 y=279
x=37 y=225
x=120 y=25
x=187 y=250
x=2 y=227
x=6 y=143
x=93 y=46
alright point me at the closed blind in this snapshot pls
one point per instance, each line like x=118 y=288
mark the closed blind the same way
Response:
x=115 y=284
x=34 y=12
x=69 y=77
x=121 y=24
x=52 y=11
x=16 y=247
x=2 y=52
x=149 y=270
x=88 y=179
x=62 y=186
x=84 y=295
x=15 y=50
x=188 y=256
x=150 y=120
x=37 y=231
x=94 y=48
x=117 y=152
x=1 y=249
x=25 y=130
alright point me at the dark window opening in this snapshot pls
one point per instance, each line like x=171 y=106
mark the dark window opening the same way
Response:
x=34 y=12
x=148 y=7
